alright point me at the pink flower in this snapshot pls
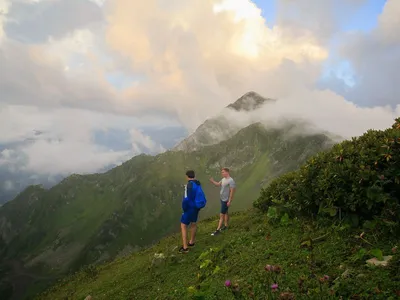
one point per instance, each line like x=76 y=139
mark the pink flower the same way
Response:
x=326 y=277
x=268 y=268
x=274 y=287
x=228 y=283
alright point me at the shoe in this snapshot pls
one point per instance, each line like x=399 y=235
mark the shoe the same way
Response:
x=191 y=245
x=183 y=250
x=216 y=232
x=224 y=228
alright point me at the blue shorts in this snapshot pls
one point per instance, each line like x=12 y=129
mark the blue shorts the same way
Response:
x=224 y=207
x=190 y=216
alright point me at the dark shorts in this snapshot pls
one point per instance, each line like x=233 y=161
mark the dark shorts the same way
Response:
x=224 y=207
x=190 y=216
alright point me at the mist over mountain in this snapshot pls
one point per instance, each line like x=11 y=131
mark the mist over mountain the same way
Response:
x=222 y=126
x=15 y=174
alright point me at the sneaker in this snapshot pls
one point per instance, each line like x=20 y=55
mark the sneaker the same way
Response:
x=216 y=232
x=183 y=250
x=224 y=228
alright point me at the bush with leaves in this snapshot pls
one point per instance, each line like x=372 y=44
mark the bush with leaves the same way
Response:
x=359 y=176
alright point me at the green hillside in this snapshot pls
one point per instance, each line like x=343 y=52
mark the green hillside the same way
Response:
x=94 y=218
x=311 y=237
x=241 y=255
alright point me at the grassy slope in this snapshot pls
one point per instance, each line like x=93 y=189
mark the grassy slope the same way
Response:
x=239 y=255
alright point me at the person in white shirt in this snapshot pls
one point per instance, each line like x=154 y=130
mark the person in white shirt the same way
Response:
x=228 y=187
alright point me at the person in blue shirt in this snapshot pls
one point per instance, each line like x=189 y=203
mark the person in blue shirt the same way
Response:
x=190 y=212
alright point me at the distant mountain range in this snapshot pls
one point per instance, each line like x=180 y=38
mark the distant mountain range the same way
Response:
x=14 y=180
x=94 y=218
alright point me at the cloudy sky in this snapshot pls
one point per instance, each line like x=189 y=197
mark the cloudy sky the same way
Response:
x=85 y=84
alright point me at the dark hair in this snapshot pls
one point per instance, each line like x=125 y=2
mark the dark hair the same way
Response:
x=225 y=169
x=190 y=174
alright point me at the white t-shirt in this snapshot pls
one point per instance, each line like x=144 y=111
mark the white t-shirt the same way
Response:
x=226 y=185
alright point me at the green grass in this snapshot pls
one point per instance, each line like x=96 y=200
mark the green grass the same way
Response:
x=240 y=255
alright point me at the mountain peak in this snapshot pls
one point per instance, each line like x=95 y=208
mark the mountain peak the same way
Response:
x=219 y=128
x=248 y=102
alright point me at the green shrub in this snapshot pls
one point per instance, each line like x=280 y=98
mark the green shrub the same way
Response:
x=360 y=176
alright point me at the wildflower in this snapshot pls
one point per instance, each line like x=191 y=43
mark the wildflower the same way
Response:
x=324 y=278
x=228 y=283
x=268 y=268
x=274 y=287
x=394 y=249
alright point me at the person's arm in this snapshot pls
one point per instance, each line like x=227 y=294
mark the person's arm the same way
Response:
x=216 y=183
x=190 y=192
x=186 y=197
x=232 y=189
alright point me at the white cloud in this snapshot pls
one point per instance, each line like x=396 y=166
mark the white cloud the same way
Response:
x=188 y=60
x=62 y=141
x=140 y=141
x=99 y=2
x=4 y=9
x=69 y=156
x=5 y=156
x=324 y=110
x=195 y=64
x=8 y=185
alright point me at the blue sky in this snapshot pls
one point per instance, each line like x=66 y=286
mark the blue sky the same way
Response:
x=365 y=19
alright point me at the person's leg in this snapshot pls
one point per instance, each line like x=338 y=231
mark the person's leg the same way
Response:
x=221 y=217
x=225 y=216
x=184 y=235
x=193 y=226
x=185 y=221
x=221 y=221
x=193 y=230
x=226 y=220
